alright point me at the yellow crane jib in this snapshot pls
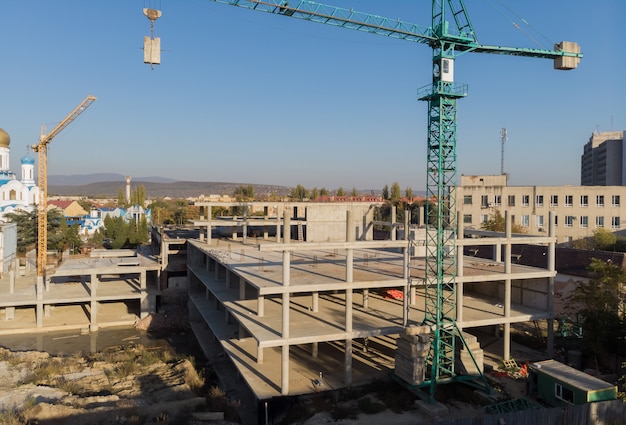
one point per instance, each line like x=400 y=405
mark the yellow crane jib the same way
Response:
x=42 y=167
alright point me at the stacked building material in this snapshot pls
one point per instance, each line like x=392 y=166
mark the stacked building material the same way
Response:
x=413 y=346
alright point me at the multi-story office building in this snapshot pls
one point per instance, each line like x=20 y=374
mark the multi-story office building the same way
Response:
x=602 y=161
x=578 y=210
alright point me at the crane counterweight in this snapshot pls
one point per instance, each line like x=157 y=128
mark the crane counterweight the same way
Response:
x=569 y=61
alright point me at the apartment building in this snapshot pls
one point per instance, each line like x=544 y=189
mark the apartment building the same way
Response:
x=602 y=161
x=578 y=210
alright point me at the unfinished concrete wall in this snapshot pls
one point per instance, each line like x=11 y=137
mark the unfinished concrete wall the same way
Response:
x=327 y=222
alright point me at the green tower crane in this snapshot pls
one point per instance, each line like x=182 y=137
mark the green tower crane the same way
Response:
x=451 y=34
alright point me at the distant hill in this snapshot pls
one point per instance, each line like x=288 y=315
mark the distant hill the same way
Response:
x=84 y=179
x=174 y=189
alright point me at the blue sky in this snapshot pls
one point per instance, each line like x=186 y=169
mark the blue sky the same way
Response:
x=250 y=97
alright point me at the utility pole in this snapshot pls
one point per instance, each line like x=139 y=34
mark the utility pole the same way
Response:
x=503 y=138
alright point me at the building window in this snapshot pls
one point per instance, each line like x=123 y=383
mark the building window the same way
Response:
x=563 y=393
x=569 y=200
x=511 y=200
x=584 y=221
x=614 y=222
x=600 y=221
x=525 y=200
x=497 y=200
x=599 y=200
x=467 y=200
x=556 y=220
x=554 y=200
x=484 y=218
x=539 y=221
x=467 y=218
x=484 y=201
x=584 y=200
x=539 y=201
x=525 y=220
x=615 y=200
x=569 y=220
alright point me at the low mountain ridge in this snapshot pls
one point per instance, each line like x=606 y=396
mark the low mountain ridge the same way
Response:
x=175 y=189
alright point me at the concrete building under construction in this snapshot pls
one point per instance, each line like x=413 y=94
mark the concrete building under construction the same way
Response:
x=298 y=313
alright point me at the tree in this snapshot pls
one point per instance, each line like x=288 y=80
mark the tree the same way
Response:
x=341 y=192
x=386 y=193
x=315 y=194
x=323 y=192
x=26 y=223
x=244 y=193
x=59 y=233
x=138 y=196
x=408 y=193
x=299 y=192
x=604 y=240
x=354 y=192
x=396 y=193
x=602 y=303
x=496 y=223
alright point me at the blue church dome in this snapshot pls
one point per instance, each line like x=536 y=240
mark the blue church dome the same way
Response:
x=27 y=159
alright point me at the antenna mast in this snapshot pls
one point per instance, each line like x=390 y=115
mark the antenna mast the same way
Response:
x=503 y=138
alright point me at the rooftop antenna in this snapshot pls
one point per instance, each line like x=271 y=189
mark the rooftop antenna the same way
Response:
x=503 y=138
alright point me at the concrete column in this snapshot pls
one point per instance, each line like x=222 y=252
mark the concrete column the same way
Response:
x=260 y=306
x=93 y=342
x=349 y=270
x=349 y=310
x=552 y=268
x=393 y=223
x=459 y=269
x=164 y=259
x=93 y=311
x=12 y=281
x=277 y=226
x=315 y=349
x=315 y=301
x=286 y=227
x=406 y=271
x=284 y=385
x=146 y=305
x=217 y=270
x=348 y=363
x=245 y=224
x=497 y=253
x=40 y=287
x=259 y=353
x=286 y=282
x=366 y=298
x=209 y=228
x=242 y=288
x=507 y=287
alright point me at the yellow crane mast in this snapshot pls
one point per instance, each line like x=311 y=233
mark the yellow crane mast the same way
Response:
x=42 y=168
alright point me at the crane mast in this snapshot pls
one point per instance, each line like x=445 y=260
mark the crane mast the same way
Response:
x=42 y=168
x=448 y=39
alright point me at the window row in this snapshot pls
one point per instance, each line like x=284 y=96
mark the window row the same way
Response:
x=568 y=221
x=568 y=200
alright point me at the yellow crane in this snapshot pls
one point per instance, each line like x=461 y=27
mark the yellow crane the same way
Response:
x=42 y=168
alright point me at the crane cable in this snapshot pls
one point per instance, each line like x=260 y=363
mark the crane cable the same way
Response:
x=514 y=16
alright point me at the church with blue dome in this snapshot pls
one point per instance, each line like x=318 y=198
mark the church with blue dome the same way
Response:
x=16 y=194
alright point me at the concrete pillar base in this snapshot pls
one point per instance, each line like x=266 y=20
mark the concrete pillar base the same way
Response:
x=9 y=313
